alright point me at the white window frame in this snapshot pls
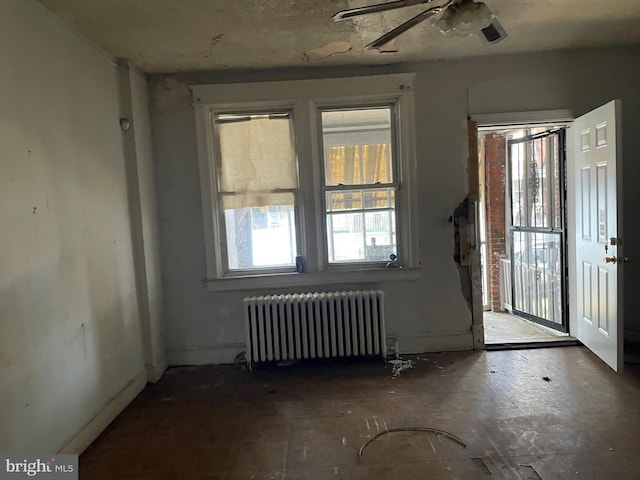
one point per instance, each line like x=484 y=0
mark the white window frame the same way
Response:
x=393 y=106
x=220 y=229
x=304 y=98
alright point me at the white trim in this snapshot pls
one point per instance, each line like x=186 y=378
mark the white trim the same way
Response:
x=350 y=88
x=304 y=98
x=283 y=280
x=209 y=197
x=79 y=441
x=522 y=118
x=155 y=371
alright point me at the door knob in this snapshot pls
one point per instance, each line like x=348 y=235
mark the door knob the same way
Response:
x=610 y=259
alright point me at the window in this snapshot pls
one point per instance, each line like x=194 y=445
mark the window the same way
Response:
x=257 y=185
x=312 y=177
x=359 y=184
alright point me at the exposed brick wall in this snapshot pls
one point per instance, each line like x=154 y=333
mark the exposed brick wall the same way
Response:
x=495 y=174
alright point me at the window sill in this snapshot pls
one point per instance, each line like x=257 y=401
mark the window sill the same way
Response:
x=289 y=280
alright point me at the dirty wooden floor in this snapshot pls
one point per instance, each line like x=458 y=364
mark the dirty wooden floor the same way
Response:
x=308 y=421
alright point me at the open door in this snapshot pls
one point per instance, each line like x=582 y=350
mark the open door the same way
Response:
x=596 y=256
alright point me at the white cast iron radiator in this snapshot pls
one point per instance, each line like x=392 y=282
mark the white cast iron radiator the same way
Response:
x=314 y=325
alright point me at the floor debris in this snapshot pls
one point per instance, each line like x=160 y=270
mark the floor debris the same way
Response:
x=527 y=472
x=400 y=365
x=546 y=379
x=481 y=465
x=410 y=429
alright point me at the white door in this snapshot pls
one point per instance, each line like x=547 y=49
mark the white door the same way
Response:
x=595 y=249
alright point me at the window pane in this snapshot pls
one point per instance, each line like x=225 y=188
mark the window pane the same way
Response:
x=535 y=177
x=557 y=211
x=360 y=199
x=357 y=146
x=518 y=208
x=351 y=200
x=257 y=153
x=361 y=236
x=259 y=237
x=379 y=198
x=539 y=182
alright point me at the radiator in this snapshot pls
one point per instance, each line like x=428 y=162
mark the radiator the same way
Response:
x=314 y=325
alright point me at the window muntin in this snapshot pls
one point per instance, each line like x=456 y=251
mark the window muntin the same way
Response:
x=257 y=185
x=358 y=152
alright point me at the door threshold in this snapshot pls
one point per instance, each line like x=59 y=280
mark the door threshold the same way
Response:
x=524 y=345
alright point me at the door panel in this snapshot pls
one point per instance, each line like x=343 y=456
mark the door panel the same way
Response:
x=595 y=245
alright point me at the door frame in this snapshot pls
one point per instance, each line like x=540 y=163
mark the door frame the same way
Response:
x=497 y=120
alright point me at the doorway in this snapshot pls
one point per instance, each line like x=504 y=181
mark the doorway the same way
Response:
x=592 y=211
x=522 y=234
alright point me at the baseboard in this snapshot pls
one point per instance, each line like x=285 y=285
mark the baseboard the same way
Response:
x=419 y=343
x=433 y=342
x=213 y=355
x=155 y=371
x=107 y=413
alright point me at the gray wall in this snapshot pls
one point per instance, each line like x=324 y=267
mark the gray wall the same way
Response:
x=428 y=313
x=144 y=224
x=71 y=346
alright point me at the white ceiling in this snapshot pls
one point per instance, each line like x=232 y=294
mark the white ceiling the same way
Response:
x=161 y=36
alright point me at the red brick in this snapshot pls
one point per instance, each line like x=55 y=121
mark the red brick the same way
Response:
x=495 y=168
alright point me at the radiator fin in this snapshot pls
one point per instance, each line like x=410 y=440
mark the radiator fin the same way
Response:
x=314 y=325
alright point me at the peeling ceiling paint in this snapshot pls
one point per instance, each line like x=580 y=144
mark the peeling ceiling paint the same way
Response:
x=328 y=50
x=189 y=35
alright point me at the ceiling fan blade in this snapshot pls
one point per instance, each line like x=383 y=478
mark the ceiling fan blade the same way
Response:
x=399 y=30
x=380 y=7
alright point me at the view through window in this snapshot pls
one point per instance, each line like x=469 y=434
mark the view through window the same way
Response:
x=359 y=184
